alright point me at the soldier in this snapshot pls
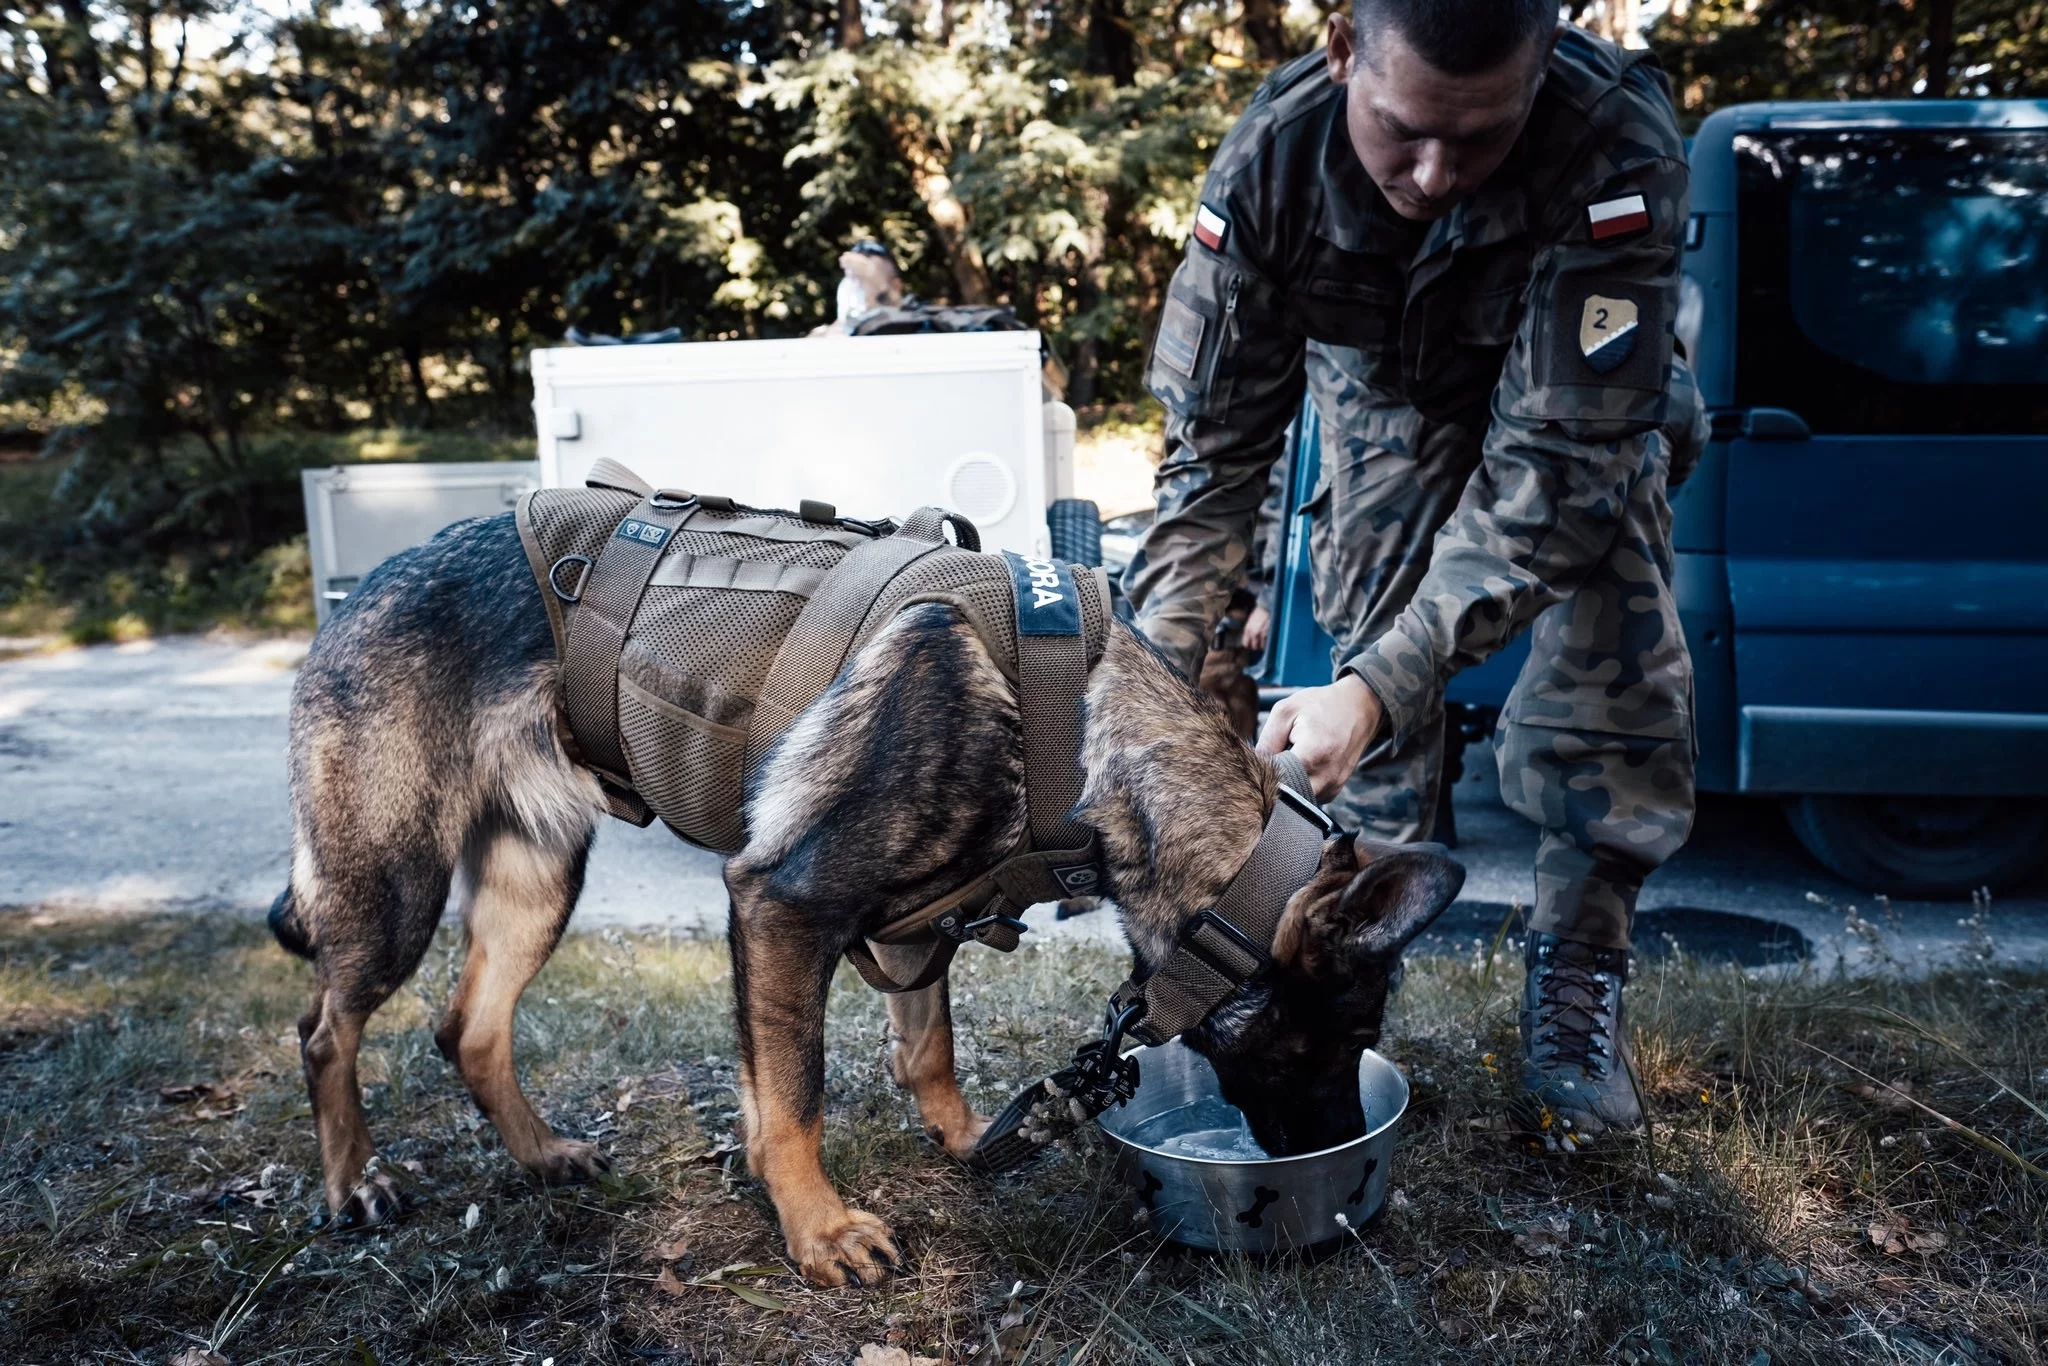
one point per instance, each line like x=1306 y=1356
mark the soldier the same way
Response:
x=1459 y=227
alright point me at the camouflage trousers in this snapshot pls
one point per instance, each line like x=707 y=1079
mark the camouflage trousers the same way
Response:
x=1595 y=742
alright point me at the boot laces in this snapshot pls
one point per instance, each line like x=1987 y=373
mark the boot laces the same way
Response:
x=1571 y=1005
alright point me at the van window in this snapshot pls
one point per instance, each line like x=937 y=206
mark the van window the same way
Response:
x=1894 y=280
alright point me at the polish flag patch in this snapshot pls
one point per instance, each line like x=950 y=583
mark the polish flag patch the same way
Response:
x=1210 y=227
x=1621 y=217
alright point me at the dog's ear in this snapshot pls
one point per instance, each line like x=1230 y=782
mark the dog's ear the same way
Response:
x=1365 y=902
x=1396 y=895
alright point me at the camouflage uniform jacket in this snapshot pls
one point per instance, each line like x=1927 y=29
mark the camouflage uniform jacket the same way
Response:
x=1550 y=291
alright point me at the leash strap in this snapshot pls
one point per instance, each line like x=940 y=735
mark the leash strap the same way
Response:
x=1047 y=1110
x=601 y=606
x=1224 y=947
x=1220 y=950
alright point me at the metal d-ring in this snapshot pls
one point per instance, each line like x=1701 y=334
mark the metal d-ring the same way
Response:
x=582 y=582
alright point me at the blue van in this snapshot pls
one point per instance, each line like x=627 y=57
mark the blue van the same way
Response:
x=1863 y=553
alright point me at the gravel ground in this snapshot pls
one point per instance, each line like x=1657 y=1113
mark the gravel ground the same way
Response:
x=151 y=775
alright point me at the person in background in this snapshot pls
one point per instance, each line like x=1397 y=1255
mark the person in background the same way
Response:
x=868 y=280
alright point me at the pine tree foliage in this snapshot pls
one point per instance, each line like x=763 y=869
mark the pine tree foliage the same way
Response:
x=217 y=222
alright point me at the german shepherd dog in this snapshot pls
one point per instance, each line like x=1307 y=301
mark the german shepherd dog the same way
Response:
x=427 y=741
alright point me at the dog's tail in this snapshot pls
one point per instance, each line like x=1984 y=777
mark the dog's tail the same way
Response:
x=285 y=924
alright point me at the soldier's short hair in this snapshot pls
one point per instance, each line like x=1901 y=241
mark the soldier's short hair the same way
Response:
x=1456 y=36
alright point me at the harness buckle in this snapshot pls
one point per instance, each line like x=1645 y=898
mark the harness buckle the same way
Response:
x=1303 y=805
x=998 y=931
x=670 y=499
x=1261 y=959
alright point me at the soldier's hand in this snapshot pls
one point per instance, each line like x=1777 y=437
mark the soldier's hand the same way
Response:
x=1256 y=627
x=1328 y=728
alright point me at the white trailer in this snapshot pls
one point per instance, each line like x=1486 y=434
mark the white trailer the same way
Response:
x=359 y=515
x=876 y=426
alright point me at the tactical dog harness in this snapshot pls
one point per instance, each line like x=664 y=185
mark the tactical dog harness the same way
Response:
x=692 y=632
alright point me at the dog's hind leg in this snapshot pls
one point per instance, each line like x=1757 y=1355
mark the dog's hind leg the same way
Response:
x=922 y=1058
x=781 y=973
x=520 y=896
x=356 y=970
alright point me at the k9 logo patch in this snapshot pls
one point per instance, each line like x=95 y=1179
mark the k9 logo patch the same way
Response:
x=642 y=533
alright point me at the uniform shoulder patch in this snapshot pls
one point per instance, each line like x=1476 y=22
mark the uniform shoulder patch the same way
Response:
x=1613 y=219
x=1607 y=331
x=1211 y=227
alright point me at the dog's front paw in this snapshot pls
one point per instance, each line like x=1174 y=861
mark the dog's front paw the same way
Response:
x=855 y=1247
x=959 y=1138
x=566 y=1161
x=375 y=1201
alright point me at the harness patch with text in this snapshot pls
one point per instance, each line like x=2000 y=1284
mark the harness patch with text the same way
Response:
x=1048 y=604
x=642 y=533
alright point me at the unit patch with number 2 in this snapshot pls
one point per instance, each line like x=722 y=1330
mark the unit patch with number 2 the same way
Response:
x=1607 y=331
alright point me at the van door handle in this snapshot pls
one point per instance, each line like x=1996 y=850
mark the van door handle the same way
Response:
x=1775 y=424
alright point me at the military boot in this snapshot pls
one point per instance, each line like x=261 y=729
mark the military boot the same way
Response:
x=1576 y=1084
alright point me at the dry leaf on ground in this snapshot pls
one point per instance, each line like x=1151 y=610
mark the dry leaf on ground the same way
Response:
x=672 y=1250
x=183 y=1093
x=1895 y=1238
x=1894 y=1095
x=198 y=1356
x=1545 y=1237
x=874 y=1354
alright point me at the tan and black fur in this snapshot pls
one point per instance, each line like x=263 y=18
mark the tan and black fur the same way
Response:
x=427 y=753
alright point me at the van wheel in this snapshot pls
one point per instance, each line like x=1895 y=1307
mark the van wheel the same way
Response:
x=1076 y=526
x=1924 y=846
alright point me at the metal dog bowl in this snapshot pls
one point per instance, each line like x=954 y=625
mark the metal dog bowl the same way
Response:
x=1186 y=1152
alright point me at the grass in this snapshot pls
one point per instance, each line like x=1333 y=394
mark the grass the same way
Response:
x=1800 y=1203
x=185 y=574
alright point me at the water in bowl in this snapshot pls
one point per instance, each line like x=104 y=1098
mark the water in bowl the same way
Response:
x=1209 y=1130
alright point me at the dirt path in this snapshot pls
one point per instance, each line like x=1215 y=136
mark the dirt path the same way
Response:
x=151 y=775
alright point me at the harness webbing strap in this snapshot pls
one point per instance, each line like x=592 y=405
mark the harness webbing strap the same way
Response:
x=1056 y=648
x=1227 y=945
x=598 y=622
x=815 y=649
x=1052 y=673
x=745 y=576
x=938 y=958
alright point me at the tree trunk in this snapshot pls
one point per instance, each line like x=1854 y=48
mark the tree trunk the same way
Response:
x=851 y=31
x=415 y=372
x=1112 y=51
x=949 y=216
x=1263 y=27
x=1941 y=45
x=84 y=50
